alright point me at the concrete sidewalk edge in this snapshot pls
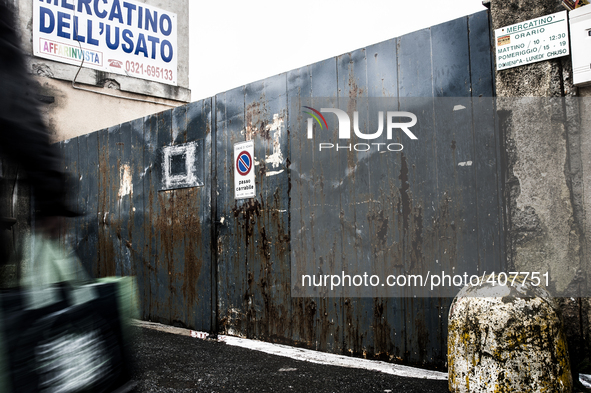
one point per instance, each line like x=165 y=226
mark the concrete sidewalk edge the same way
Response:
x=307 y=355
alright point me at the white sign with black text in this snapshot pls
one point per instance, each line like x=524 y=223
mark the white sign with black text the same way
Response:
x=123 y=37
x=244 y=182
x=532 y=41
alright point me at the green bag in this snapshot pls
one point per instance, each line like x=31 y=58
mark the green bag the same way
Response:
x=61 y=331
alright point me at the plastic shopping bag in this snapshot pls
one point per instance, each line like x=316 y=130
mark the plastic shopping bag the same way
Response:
x=61 y=332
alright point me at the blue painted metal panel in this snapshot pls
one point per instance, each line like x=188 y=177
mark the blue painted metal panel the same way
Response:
x=207 y=261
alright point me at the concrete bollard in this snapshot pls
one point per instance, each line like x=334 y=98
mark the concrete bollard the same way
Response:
x=506 y=339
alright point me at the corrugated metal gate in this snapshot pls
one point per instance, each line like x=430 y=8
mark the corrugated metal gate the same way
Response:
x=240 y=282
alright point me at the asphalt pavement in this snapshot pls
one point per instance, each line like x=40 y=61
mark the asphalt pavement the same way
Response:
x=168 y=362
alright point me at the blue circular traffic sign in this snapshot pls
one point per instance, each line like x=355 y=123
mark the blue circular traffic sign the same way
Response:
x=244 y=163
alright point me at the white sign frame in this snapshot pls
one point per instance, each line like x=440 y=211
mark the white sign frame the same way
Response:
x=532 y=41
x=142 y=40
x=244 y=176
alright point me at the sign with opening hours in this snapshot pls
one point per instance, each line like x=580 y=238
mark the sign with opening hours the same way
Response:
x=532 y=41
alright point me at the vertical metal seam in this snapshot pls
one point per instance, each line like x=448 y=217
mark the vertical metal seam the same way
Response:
x=144 y=186
x=79 y=208
x=502 y=205
x=434 y=120
x=473 y=132
x=213 y=216
x=342 y=297
x=435 y=161
x=98 y=204
x=288 y=170
x=369 y=177
x=403 y=301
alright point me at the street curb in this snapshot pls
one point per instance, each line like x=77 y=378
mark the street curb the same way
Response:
x=306 y=355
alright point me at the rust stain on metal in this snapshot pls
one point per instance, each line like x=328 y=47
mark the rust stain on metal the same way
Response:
x=107 y=264
x=354 y=92
x=405 y=197
x=416 y=257
x=380 y=228
x=255 y=120
x=247 y=212
x=353 y=335
x=190 y=226
x=422 y=335
x=382 y=331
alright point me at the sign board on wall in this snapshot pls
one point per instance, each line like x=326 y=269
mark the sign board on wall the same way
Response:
x=123 y=37
x=244 y=182
x=532 y=41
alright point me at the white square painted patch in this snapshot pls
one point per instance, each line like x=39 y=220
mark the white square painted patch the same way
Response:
x=180 y=166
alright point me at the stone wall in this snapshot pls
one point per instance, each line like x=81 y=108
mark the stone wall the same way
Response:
x=547 y=169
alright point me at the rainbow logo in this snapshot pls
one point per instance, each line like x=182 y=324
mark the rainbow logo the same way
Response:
x=316 y=117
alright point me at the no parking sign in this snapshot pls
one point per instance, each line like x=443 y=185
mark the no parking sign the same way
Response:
x=244 y=186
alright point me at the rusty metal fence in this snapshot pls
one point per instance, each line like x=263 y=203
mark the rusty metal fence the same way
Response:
x=209 y=262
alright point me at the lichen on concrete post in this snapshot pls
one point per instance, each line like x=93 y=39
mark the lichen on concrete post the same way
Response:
x=506 y=339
